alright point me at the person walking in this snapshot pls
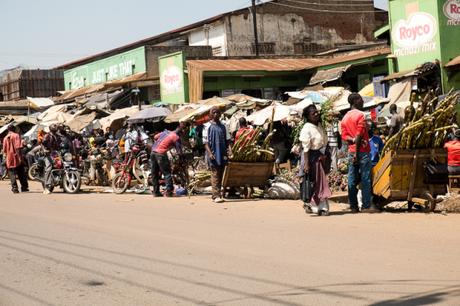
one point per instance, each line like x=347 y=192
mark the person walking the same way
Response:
x=159 y=160
x=314 y=141
x=216 y=139
x=355 y=133
x=12 y=146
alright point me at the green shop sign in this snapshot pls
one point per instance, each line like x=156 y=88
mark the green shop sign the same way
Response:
x=173 y=83
x=107 y=69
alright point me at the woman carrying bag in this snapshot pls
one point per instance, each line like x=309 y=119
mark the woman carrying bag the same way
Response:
x=315 y=185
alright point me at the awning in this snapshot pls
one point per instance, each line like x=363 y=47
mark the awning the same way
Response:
x=323 y=76
x=454 y=62
x=40 y=102
x=400 y=75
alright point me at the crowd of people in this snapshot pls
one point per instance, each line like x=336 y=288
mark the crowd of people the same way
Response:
x=317 y=156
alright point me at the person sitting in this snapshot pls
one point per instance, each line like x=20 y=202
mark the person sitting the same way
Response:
x=453 y=154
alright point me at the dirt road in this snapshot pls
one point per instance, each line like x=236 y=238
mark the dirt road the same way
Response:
x=103 y=249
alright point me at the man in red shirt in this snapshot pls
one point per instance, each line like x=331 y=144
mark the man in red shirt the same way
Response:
x=453 y=153
x=355 y=134
x=164 y=142
x=12 y=146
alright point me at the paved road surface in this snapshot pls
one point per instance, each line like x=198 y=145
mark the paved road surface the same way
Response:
x=103 y=249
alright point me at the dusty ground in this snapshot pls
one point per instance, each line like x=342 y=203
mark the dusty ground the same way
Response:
x=104 y=249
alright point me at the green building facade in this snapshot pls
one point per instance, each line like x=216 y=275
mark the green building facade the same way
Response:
x=425 y=31
x=108 y=69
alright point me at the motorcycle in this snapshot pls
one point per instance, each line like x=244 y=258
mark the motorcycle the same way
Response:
x=64 y=173
x=134 y=167
x=93 y=170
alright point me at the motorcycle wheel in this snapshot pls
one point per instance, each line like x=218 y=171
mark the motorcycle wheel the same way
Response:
x=71 y=182
x=33 y=173
x=120 y=182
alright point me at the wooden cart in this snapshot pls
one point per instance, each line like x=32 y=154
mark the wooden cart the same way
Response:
x=238 y=174
x=399 y=175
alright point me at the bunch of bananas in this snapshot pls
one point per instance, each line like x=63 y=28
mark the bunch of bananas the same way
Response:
x=246 y=148
x=429 y=125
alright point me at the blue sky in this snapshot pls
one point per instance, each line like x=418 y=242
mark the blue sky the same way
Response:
x=47 y=33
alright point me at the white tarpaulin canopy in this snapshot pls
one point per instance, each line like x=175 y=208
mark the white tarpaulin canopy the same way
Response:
x=41 y=102
x=263 y=115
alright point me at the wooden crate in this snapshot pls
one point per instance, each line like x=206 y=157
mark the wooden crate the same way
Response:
x=397 y=173
x=238 y=174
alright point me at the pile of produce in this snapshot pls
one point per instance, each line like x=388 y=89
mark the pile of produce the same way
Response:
x=337 y=181
x=246 y=148
x=427 y=126
x=199 y=179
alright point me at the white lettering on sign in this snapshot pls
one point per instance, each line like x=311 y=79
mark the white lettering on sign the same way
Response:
x=451 y=10
x=419 y=29
x=113 y=72
x=171 y=80
x=76 y=80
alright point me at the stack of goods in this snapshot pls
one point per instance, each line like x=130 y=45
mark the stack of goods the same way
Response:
x=427 y=126
x=246 y=148
x=200 y=179
x=337 y=181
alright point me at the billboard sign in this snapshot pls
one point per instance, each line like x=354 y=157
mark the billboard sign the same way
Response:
x=416 y=34
x=451 y=10
x=173 y=82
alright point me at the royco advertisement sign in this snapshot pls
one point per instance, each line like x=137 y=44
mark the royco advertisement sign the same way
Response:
x=414 y=35
x=451 y=10
x=173 y=84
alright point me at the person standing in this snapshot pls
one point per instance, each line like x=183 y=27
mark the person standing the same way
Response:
x=396 y=121
x=355 y=133
x=314 y=141
x=334 y=143
x=216 y=139
x=159 y=160
x=244 y=128
x=50 y=145
x=12 y=146
x=376 y=144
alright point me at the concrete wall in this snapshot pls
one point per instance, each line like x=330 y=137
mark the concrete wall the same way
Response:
x=213 y=35
x=289 y=31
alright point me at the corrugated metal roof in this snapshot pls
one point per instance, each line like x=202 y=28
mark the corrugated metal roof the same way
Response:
x=286 y=64
x=454 y=62
x=281 y=64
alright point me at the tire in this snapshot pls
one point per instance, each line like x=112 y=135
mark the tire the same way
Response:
x=71 y=182
x=33 y=173
x=120 y=182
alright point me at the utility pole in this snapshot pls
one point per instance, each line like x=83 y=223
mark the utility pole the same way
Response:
x=254 y=20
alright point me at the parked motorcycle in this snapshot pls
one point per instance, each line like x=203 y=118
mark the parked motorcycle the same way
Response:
x=93 y=170
x=134 y=167
x=64 y=173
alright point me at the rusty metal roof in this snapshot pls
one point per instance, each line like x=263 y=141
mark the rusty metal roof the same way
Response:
x=281 y=64
x=285 y=64
x=454 y=62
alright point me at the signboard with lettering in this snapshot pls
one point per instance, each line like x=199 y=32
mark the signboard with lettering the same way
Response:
x=415 y=34
x=108 y=69
x=451 y=10
x=173 y=82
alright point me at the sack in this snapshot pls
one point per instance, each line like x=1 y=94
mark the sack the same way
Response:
x=307 y=186
x=435 y=173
